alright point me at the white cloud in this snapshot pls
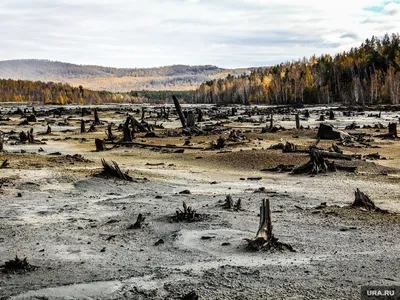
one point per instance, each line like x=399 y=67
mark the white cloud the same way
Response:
x=228 y=33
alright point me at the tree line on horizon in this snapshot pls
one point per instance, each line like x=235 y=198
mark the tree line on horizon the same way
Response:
x=42 y=93
x=369 y=74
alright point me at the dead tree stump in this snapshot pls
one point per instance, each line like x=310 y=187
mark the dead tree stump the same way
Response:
x=393 y=129
x=83 y=129
x=48 y=131
x=297 y=121
x=363 y=201
x=138 y=225
x=331 y=115
x=31 y=138
x=265 y=239
x=1 y=142
x=109 y=133
x=114 y=171
x=100 y=145
x=23 y=137
x=96 y=117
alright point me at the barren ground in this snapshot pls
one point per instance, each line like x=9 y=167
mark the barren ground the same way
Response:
x=73 y=225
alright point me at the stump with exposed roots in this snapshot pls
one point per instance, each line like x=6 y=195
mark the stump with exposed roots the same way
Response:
x=265 y=240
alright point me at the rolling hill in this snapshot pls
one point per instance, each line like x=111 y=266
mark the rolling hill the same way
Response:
x=176 y=77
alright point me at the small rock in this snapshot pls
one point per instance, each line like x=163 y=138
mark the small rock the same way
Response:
x=159 y=242
x=19 y=195
x=185 y=192
x=103 y=250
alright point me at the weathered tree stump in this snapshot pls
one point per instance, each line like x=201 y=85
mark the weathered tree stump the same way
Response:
x=83 y=129
x=265 y=239
x=317 y=164
x=188 y=214
x=228 y=202
x=31 y=138
x=48 y=131
x=100 y=145
x=17 y=266
x=200 y=117
x=363 y=201
x=1 y=142
x=331 y=115
x=23 y=137
x=96 y=117
x=109 y=133
x=127 y=133
x=297 y=121
x=289 y=147
x=114 y=171
x=393 y=129
x=139 y=222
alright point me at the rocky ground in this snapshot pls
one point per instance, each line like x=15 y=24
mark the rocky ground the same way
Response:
x=73 y=225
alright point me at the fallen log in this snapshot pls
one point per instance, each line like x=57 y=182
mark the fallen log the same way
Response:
x=265 y=239
x=153 y=146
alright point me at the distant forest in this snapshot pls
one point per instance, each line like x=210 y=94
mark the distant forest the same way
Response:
x=369 y=74
x=55 y=93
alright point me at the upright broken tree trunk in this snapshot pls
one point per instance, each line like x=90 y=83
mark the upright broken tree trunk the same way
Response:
x=143 y=113
x=331 y=115
x=1 y=142
x=23 y=137
x=271 y=121
x=264 y=239
x=179 y=111
x=393 y=129
x=31 y=138
x=96 y=117
x=127 y=131
x=100 y=146
x=190 y=120
x=297 y=121
x=109 y=133
x=48 y=131
x=199 y=116
x=83 y=129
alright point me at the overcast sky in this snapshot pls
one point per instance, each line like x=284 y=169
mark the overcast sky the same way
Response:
x=226 y=33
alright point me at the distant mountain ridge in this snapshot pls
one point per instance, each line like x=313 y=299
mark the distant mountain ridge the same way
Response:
x=175 y=77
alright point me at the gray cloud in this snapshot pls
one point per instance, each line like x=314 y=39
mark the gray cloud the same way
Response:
x=228 y=33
